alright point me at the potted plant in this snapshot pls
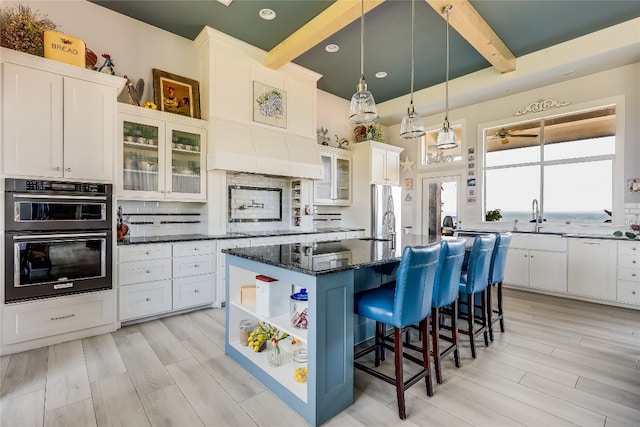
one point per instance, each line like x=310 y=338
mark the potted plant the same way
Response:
x=22 y=29
x=493 y=215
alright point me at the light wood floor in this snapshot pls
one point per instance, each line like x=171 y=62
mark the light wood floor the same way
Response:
x=561 y=362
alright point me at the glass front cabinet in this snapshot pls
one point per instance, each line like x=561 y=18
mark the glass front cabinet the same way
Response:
x=162 y=157
x=335 y=188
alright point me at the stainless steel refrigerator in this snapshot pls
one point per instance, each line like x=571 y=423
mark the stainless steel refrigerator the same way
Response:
x=386 y=220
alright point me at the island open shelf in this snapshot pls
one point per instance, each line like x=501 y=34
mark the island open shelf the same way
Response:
x=328 y=339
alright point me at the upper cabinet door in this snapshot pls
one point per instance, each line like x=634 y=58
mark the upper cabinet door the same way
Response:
x=89 y=128
x=186 y=170
x=32 y=122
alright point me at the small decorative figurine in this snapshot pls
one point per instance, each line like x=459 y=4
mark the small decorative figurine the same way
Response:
x=108 y=66
x=135 y=91
x=342 y=142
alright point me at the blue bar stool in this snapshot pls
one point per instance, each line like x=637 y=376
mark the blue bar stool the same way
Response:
x=406 y=304
x=474 y=282
x=445 y=294
x=496 y=276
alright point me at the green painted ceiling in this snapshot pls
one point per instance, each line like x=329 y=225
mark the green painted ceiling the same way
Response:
x=525 y=26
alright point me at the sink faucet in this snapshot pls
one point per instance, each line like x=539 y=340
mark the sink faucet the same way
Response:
x=535 y=212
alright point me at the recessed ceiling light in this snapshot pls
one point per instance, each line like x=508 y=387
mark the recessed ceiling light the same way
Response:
x=508 y=90
x=332 y=48
x=567 y=74
x=381 y=74
x=267 y=14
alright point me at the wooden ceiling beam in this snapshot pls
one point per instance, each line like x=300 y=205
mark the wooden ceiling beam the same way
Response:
x=328 y=22
x=474 y=29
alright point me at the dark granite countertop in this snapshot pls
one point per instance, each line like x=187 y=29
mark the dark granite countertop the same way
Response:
x=331 y=257
x=235 y=235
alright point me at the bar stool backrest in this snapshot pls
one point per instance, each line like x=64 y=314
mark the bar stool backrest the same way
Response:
x=480 y=263
x=445 y=291
x=499 y=257
x=414 y=284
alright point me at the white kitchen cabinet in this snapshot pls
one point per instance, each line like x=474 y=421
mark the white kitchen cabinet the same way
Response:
x=161 y=156
x=335 y=188
x=61 y=123
x=45 y=318
x=377 y=163
x=592 y=268
x=537 y=261
x=159 y=278
x=628 y=284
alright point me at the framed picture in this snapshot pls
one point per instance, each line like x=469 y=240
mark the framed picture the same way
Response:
x=176 y=94
x=269 y=105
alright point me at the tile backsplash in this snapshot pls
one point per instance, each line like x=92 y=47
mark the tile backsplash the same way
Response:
x=263 y=202
x=152 y=218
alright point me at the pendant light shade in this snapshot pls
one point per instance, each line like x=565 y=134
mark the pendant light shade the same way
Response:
x=411 y=126
x=363 y=106
x=446 y=135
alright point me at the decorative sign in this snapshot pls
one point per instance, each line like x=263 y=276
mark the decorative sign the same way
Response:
x=64 y=48
x=541 y=105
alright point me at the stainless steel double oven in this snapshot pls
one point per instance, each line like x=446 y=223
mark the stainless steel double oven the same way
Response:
x=58 y=238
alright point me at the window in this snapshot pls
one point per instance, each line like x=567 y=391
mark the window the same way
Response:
x=565 y=162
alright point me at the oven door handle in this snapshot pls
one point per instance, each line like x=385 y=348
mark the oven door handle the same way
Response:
x=56 y=236
x=57 y=197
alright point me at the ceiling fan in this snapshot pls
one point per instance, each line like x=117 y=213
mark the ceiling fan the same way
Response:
x=505 y=134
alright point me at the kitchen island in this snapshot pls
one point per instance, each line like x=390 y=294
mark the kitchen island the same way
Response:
x=331 y=272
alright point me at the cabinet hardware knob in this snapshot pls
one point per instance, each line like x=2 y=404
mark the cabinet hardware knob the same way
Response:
x=147 y=271
x=68 y=169
x=633 y=274
x=68 y=316
x=196 y=266
x=195 y=291
x=57 y=168
x=633 y=292
x=633 y=262
x=147 y=253
x=147 y=299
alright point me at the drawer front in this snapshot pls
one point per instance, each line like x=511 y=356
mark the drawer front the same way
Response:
x=145 y=299
x=629 y=261
x=143 y=252
x=143 y=271
x=629 y=248
x=192 y=291
x=194 y=248
x=628 y=292
x=38 y=319
x=630 y=274
x=194 y=265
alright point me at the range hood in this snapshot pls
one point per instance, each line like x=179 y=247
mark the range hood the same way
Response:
x=254 y=149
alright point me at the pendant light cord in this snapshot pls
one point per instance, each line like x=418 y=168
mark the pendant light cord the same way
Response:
x=412 y=59
x=362 y=39
x=447 y=10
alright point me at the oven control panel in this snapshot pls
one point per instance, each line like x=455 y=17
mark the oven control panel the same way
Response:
x=40 y=186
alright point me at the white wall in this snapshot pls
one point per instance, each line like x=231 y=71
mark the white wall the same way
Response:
x=135 y=47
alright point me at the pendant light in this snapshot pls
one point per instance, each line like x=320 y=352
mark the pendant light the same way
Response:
x=411 y=126
x=446 y=135
x=363 y=106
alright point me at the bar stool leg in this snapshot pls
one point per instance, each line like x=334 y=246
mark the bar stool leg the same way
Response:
x=470 y=322
x=500 y=313
x=435 y=334
x=489 y=312
x=483 y=309
x=397 y=339
x=424 y=330
x=454 y=333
